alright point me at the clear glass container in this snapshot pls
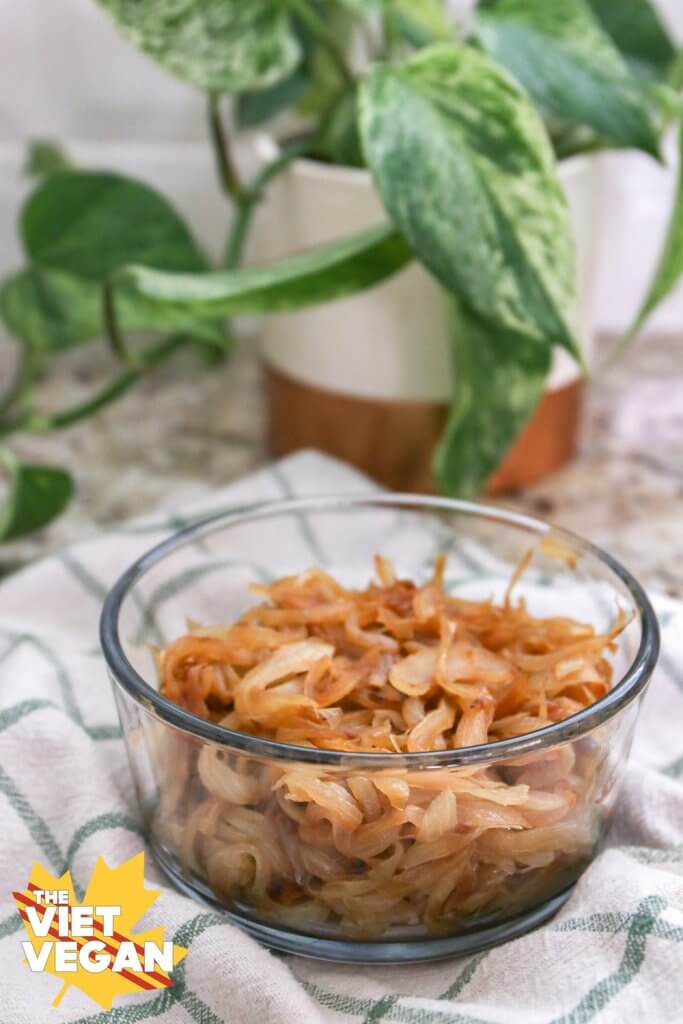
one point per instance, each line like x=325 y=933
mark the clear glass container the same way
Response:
x=240 y=822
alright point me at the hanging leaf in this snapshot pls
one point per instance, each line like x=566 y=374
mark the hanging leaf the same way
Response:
x=569 y=65
x=499 y=380
x=464 y=166
x=51 y=311
x=221 y=46
x=36 y=495
x=91 y=222
x=166 y=301
x=639 y=33
x=669 y=268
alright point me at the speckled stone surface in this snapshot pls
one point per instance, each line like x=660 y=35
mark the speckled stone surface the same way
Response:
x=190 y=429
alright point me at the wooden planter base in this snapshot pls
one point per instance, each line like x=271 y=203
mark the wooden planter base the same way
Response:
x=393 y=441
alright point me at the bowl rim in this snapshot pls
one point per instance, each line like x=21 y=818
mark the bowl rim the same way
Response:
x=629 y=686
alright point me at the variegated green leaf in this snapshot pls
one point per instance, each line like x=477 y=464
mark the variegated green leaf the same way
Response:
x=499 y=379
x=171 y=301
x=569 y=65
x=222 y=46
x=464 y=166
x=639 y=33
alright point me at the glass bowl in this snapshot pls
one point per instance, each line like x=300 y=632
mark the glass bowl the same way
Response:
x=226 y=814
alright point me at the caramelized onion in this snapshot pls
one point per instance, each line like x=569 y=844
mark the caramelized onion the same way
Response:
x=395 y=668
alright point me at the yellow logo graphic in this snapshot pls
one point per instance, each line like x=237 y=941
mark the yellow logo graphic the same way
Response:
x=91 y=944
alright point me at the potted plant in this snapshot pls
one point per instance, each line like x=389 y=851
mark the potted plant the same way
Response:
x=377 y=392
x=461 y=132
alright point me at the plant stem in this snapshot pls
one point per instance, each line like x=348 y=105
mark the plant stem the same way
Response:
x=618 y=347
x=23 y=375
x=250 y=198
x=320 y=30
x=115 y=337
x=227 y=172
x=38 y=423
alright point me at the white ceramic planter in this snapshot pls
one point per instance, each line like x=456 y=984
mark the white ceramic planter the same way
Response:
x=389 y=343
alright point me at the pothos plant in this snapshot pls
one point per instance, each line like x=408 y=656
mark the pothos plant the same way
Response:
x=461 y=127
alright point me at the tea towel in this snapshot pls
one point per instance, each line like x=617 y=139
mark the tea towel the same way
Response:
x=613 y=955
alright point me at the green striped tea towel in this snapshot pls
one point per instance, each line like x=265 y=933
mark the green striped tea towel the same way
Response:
x=614 y=954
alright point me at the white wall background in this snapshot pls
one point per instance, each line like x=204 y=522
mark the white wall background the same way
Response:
x=66 y=74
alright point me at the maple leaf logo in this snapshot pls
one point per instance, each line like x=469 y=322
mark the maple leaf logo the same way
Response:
x=91 y=944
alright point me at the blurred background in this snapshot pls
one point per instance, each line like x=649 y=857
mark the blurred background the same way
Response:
x=68 y=76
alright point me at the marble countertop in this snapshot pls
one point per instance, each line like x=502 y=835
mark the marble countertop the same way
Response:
x=187 y=430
